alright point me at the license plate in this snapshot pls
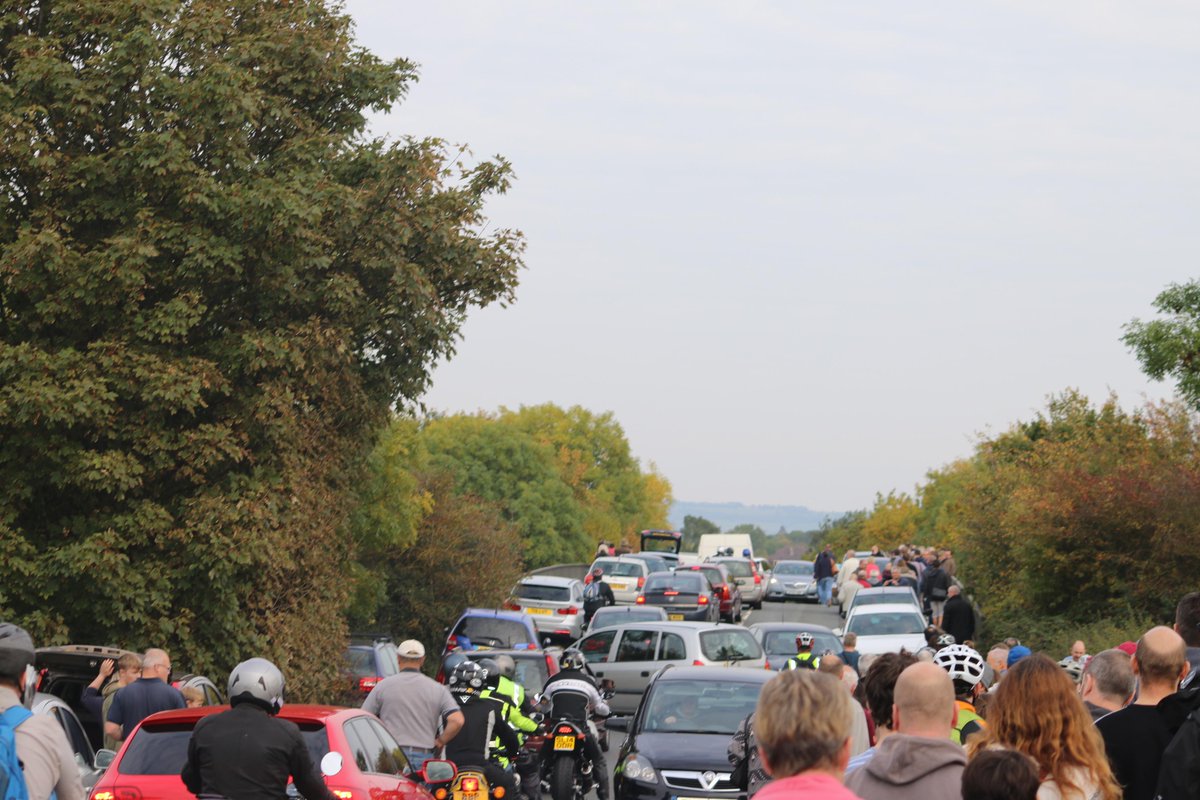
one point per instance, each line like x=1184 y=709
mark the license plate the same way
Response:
x=564 y=742
x=461 y=795
x=537 y=611
x=621 y=586
x=675 y=617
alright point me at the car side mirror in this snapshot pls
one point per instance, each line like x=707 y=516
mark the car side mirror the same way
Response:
x=437 y=770
x=104 y=759
x=617 y=724
x=837 y=631
x=331 y=764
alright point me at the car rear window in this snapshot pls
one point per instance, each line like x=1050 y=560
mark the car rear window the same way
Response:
x=690 y=584
x=624 y=569
x=739 y=569
x=532 y=672
x=783 y=643
x=877 y=598
x=541 y=591
x=606 y=618
x=162 y=749
x=700 y=706
x=732 y=644
x=361 y=662
x=888 y=623
x=493 y=632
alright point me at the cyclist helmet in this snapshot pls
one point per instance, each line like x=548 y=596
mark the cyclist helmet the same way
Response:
x=963 y=663
x=508 y=667
x=804 y=639
x=572 y=659
x=945 y=640
x=468 y=675
x=258 y=681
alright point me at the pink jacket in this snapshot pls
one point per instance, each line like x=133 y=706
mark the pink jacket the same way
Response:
x=806 y=786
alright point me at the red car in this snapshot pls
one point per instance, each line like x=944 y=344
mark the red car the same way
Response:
x=373 y=766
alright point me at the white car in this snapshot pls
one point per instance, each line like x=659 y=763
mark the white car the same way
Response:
x=886 y=628
x=624 y=575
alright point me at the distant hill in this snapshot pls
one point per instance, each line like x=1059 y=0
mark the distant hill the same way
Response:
x=769 y=518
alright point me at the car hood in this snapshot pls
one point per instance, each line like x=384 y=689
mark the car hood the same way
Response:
x=691 y=751
x=912 y=642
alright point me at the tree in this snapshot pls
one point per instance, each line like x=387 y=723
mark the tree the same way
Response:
x=213 y=287
x=693 y=529
x=1170 y=347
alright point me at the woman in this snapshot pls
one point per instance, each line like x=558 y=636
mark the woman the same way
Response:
x=1036 y=711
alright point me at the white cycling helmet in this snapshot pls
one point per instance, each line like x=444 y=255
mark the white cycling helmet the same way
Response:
x=805 y=639
x=1073 y=667
x=962 y=662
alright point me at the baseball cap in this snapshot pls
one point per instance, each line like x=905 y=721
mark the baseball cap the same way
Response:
x=1128 y=648
x=1017 y=653
x=411 y=648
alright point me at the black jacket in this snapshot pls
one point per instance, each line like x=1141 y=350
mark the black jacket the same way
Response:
x=483 y=720
x=246 y=754
x=958 y=619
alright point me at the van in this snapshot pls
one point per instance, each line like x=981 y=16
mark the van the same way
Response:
x=716 y=544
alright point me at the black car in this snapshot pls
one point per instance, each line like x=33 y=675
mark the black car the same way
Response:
x=685 y=596
x=369 y=659
x=676 y=741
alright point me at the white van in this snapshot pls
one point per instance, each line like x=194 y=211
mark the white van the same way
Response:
x=714 y=544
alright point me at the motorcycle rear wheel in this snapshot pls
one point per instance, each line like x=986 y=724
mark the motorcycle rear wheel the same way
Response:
x=562 y=779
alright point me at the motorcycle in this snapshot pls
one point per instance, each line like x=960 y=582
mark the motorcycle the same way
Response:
x=568 y=767
x=472 y=784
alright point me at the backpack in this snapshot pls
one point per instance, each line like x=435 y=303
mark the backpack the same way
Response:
x=591 y=592
x=12 y=776
x=1179 y=775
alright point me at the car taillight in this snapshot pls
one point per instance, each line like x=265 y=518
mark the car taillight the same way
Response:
x=670 y=593
x=587 y=579
x=368 y=683
x=511 y=606
x=703 y=600
x=725 y=593
x=641 y=582
x=118 y=793
x=551 y=665
x=641 y=600
x=343 y=794
x=570 y=610
x=104 y=795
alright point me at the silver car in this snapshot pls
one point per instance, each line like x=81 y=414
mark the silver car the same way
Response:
x=792 y=580
x=624 y=575
x=630 y=654
x=85 y=759
x=744 y=572
x=612 y=616
x=554 y=604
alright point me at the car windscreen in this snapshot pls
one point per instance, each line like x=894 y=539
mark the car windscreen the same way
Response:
x=886 y=623
x=493 y=632
x=542 y=591
x=162 y=749
x=783 y=643
x=622 y=569
x=794 y=568
x=739 y=569
x=532 y=672
x=606 y=618
x=873 y=598
x=713 y=575
x=676 y=582
x=699 y=706
x=361 y=662
x=732 y=644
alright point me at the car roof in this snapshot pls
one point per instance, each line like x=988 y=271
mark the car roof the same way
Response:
x=904 y=590
x=612 y=611
x=719 y=559
x=684 y=625
x=882 y=608
x=498 y=613
x=770 y=627
x=716 y=674
x=549 y=580
x=295 y=712
x=626 y=557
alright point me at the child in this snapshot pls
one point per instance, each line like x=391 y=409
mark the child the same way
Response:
x=1000 y=774
x=192 y=697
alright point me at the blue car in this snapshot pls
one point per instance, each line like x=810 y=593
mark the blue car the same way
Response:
x=492 y=629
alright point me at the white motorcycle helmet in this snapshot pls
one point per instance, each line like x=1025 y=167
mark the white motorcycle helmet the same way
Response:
x=259 y=681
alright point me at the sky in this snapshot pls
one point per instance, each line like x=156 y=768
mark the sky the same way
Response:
x=806 y=252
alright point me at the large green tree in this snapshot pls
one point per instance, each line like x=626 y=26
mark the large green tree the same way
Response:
x=213 y=285
x=1169 y=347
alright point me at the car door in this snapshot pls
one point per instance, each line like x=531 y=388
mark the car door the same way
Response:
x=597 y=649
x=80 y=746
x=374 y=759
x=633 y=662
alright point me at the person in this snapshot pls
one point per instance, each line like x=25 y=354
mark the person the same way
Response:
x=946 y=559
x=802 y=722
x=918 y=761
x=98 y=695
x=46 y=760
x=1136 y=736
x=805 y=658
x=573 y=695
x=856 y=580
x=823 y=571
x=958 y=618
x=1000 y=775
x=1017 y=653
x=860 y=736
x=248 y=752
x=879 y=683
x=965 y=667
x=624 y=549
x=1107 y=683
x=1037 y=711
x=684 y=716
x=482 y=718
x=871 y=572
x=193 y=697
x=997 y=659
x=850 y=654
x=147 y=695
x=849 y=570
x=936 y=588
x=1187 y=625
x=517 y=711
x=414 y=707
x=596 y=595
x=744 y=756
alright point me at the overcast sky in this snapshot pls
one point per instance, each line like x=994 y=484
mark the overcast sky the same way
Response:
x=806 y=252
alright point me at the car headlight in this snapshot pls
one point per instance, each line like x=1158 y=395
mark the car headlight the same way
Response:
x=637 y=768
x=774 y=580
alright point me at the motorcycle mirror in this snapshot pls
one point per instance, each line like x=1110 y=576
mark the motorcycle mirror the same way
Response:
x=617 y=723
x=331 y=764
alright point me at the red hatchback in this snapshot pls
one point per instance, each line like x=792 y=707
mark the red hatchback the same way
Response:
x=373 y=766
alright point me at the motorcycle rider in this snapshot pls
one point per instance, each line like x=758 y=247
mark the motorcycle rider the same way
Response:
x=573 y=695
x=596 y=595
x=482 y=716
x=517 y=713
x=805 y=658
x=246 y=752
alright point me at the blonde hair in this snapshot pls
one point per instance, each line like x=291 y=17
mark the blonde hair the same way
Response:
x=802 y=721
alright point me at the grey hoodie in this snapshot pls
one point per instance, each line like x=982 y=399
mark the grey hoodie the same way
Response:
x=915 y=767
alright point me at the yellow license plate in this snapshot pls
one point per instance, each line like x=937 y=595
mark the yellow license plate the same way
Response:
x=564 y=742
x=460 y=795
x=537 y=611
x=674 y=617
x=621 y=586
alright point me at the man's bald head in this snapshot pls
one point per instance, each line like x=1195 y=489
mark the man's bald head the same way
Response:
x=924 y=701
x=1161 y=657
x=831 y=664
x=953 y=590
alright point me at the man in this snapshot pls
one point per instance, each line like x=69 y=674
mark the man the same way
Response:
x=966 y=668
x=846 y=592
x=1136 y=736
x=947 y=562
x=997 y=659
x=823 y=572
x=147 y=695
x=596 y=595
x=802 y=723
x=918 y=761
x=414 y=707
x=805 y=658
x=936 y=588
x=473 y=746
x=515 y=709
x=1187 y=625
x=958 y=618
x=47 y=762
x=850 y=655
x=98 y=695
x=879 y=684
x=1107 y=683
x=246 y=752
x=860 y=736
x=573 y=695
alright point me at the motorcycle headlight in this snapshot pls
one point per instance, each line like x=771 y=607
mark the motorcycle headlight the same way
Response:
x=638 y=768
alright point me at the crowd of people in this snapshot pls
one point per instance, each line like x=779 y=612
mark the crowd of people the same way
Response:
x=949 y=723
